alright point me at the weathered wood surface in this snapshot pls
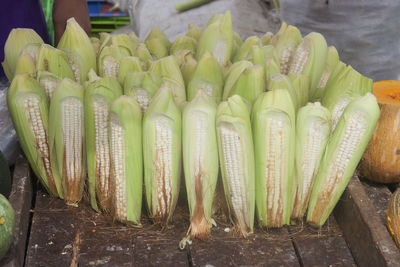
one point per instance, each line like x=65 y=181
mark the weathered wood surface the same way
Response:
x=69 y=236
x=21 y=200
x=360 y=217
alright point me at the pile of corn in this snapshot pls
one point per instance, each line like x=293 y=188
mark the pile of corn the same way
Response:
x=279 y=118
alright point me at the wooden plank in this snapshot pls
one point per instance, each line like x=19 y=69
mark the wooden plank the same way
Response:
x=321 y=247
x=380 y=196
x=21 y=200
x=263 y=248
x=368 y=239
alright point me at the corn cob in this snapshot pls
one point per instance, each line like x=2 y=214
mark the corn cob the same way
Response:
x=99 y=95
x=169 y=71
x=142 y=86
x=194 y=32
x=183 y=43
x=187 y=67
x=281 y=81
x=55 y=61
x=48 y=82
x=392 y=215
x=29 y=109
x=312 y=134
x=236 y=156
x=301 y=84
x=157 y=43
x=207 y=76
x=309 y=59
x=108 y=60
x=285 y=47
x=200 y=160
x=244 y=51
x=217 y=38
x=67 y=138
x=342 y=154
x=125 y=131
x=273 y=121
x=79 y=50
x=332 y=59
x=162 y=155
x=126 y=65
x=16 y=41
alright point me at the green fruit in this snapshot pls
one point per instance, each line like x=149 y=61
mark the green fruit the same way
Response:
x=7 y=225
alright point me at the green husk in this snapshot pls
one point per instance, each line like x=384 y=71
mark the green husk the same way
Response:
x=233 y=122
x=17 y=40
x=105 y=90
x=244 y=51
x=108 y=60
x=273 y=120
x=67 y=138
x=313 y=127
x=200 y=160
x=281 y=81
x=144 y=55
x=79 y=49
x=285 y=47
x=48 y=81
x=126 y=187
x=125 y=43
x=343 y=152
x=162 y=119
x=187 y=67
x=207 y=77
x=194 y=32
x=169 y=71
x=157 y=43
x=55 y=61
x=332 y=59
x=217 y=38
x=22 y=88
x=266 y=38
x=301 y=84
x=126 y=65
x=183 y=43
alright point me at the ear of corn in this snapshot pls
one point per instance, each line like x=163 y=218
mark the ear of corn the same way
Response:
x=48 y=81
x=332 y=59
x=125 y=133
x=187 y=67
x=183 y=43
x=244 y=51
x=125 y=43
x=200 y=160
x=67 y=138
x=16 y=41
x=249 y=84
x=142 y=86
x=273 y=120
x=126 y=65
x=236 y=155
x=233 y=74
x=55 y=61
x=108 y=60
x=281 y=81
x=99 y=94
x=29 y=109
x=313 y=128
x=342 y=154
x=169 y=71
x=157 y=43
x=301 y=84
x=310 y=58
x=194 y=32
x=285 y=47
x=217 y=38
x=208 y=77
x=79 y=49
x=162 y=155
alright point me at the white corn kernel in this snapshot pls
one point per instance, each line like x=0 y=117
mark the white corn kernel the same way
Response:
x=111 y=67
x=300 y=58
